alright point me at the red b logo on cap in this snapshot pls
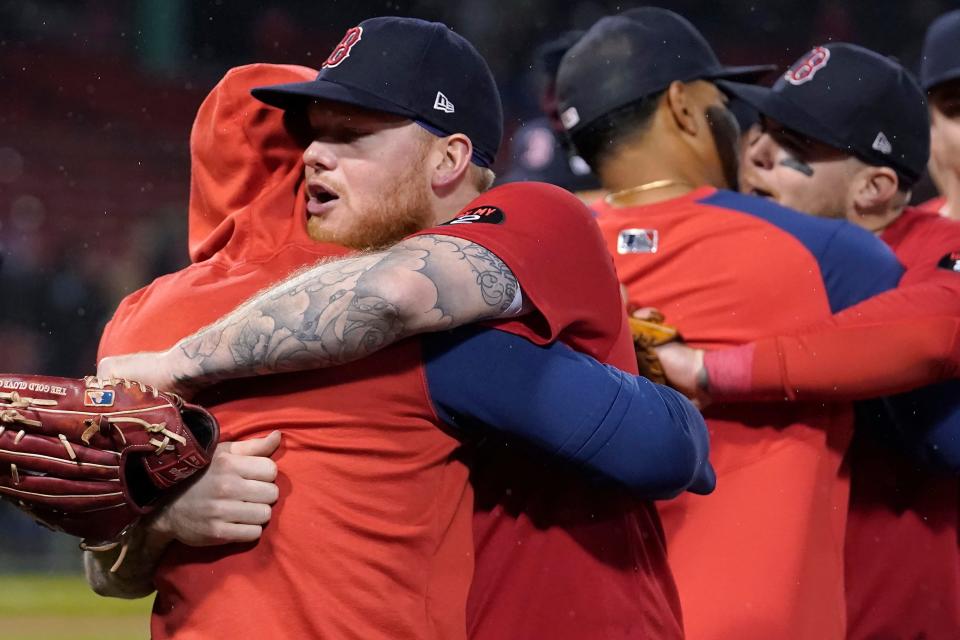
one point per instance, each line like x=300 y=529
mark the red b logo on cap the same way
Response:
x=806 y=68
x=342 y=50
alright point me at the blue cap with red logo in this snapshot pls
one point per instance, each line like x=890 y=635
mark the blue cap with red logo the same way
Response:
x=941 y=51
x=852 y=99
x=408 y=67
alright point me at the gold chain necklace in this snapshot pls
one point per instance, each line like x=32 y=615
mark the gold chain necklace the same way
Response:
x=647 y=186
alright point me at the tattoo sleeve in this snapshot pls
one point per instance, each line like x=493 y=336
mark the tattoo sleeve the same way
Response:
x=343 y=310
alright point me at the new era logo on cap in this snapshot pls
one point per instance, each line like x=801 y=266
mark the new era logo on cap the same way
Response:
x=881 y=144
x=442 y=103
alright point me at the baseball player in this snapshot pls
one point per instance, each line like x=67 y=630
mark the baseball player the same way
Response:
x=903 y=578
x=940 y=78
x=639 y=97
x=380 y=486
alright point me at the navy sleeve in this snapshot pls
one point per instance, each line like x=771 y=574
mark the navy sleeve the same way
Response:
x=855 y=264
x=623 y=427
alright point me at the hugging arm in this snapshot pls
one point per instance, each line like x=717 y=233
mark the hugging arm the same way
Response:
x=336 y=312
x=229 y=503
x=625 y=428
x=622 y=427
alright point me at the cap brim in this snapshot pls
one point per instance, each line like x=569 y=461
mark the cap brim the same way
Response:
x=776 y=107
x=948 y=76
x=747 y=74
x=298 y=94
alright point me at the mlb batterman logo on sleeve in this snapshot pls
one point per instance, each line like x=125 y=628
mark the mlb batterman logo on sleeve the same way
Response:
x=638 y=241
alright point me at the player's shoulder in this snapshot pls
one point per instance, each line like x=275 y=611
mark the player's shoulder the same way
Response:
x=132 y=306
x=529 y=188
x=920 y=236
x=533 y=200
x=768 y=210
x=931 y=221
x=165 y=286
x=818 y=235
x=934 y=204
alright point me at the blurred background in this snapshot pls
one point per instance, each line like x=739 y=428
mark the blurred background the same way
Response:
x=97 y=101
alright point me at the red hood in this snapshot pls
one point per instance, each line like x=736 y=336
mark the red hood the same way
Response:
x=247 y=217
x=246 y=170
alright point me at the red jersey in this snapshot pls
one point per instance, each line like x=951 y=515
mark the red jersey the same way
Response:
x=914 y=329
x=762 y=556
x=934 y=204
x=903 y=565
x=371 y=537
x=593 y=556
x=903 y=576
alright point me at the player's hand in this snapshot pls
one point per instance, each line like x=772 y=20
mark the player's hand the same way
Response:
x=231 y=502
x=683 y=366
x=154 y=368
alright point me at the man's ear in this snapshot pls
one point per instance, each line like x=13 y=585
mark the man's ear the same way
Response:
x=680 y=106
x=875 y=188
x=450 y=161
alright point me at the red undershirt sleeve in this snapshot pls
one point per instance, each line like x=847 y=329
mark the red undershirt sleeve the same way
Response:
x=899 y=340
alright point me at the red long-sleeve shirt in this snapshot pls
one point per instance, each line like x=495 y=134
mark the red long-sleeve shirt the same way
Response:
x=902 y=566
x=899 y=340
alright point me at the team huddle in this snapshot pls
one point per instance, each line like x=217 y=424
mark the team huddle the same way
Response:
x=431 y=418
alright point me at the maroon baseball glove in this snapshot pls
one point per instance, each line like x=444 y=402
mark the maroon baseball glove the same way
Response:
x=90 y=457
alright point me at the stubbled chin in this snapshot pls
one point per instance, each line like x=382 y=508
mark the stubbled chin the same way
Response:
x=401 y=208
x=320 y=230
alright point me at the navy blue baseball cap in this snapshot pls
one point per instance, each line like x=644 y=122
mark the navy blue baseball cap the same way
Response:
x=638 y=53
x=412 y=68
x=549 y=54
x=852 y=99
x=941 y=51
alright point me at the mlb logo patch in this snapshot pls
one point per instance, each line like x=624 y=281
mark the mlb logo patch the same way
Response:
x=98 y=398
x=638 y=241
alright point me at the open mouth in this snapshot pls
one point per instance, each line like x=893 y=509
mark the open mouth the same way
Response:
x=317 y=196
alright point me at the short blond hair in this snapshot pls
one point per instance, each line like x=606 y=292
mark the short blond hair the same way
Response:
x=483 y=177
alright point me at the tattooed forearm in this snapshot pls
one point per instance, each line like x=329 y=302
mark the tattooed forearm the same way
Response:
x=492 y=278
x=497 y=284
x=340 y=311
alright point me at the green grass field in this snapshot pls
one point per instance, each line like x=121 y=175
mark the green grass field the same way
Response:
x=63 y=608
